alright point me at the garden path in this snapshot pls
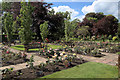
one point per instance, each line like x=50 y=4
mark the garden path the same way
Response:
x=110 y=59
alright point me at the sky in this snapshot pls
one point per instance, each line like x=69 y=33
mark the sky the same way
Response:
x=79 y=8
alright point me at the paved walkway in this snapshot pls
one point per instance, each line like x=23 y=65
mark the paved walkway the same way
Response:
x=111 y=59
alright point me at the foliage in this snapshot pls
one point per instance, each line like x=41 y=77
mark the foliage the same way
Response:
x=107 y=25
x=67 y=27
x=5 y=72
x=91 y=18
x=95 y=52
x=114 y=38
x=44 y=30
x=19 y=72
x=15 y=26
x=83 y=30
x=7 y=55
x=70 y=27
x=78 y=49
x=30 y=63
x=100 y=24
x=58 y=26
x=42 y=66
x=73 y=27
x=8 y=22
x=40 y=14
x=25 y=33
x=110 y=37
x=112 y=49
x=66 y=63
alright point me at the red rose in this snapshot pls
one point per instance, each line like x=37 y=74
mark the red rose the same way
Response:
x=7 y=52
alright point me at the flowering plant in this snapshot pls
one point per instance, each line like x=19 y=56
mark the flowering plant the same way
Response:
x=7 y=51
x=46 y=40
x=66 y=63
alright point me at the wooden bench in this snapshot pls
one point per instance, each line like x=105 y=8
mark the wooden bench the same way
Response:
x=33 y=45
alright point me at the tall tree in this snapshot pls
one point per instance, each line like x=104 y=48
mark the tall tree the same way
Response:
x=74 y=25
x=107 y=25
x=8 y=22
x=39 y=14
x=100 y=24
x=25 y=20
x=44 y=30
x=57 y=25
x=67 y=27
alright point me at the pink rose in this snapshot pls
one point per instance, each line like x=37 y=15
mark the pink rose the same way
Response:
x=38 y=42
x=98 y=44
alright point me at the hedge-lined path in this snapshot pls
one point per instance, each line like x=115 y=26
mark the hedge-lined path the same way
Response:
x=111 y=59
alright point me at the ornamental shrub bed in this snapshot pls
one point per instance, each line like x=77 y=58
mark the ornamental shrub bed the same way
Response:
x=10 y=58
x=42 y=69
x=88 y=51
x=102 y=46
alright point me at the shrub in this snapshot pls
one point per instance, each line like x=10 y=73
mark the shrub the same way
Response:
x=44 y=30
x=77 y=50
x=95 y=52
x=118 y=53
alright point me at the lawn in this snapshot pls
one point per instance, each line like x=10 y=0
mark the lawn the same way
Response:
x=21 y=47
x=87 y=70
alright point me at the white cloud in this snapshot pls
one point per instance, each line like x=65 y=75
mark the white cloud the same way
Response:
x=66 y=8
x=87 y=9
x=80 y=17
x=101 y=6
x=107 y=7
